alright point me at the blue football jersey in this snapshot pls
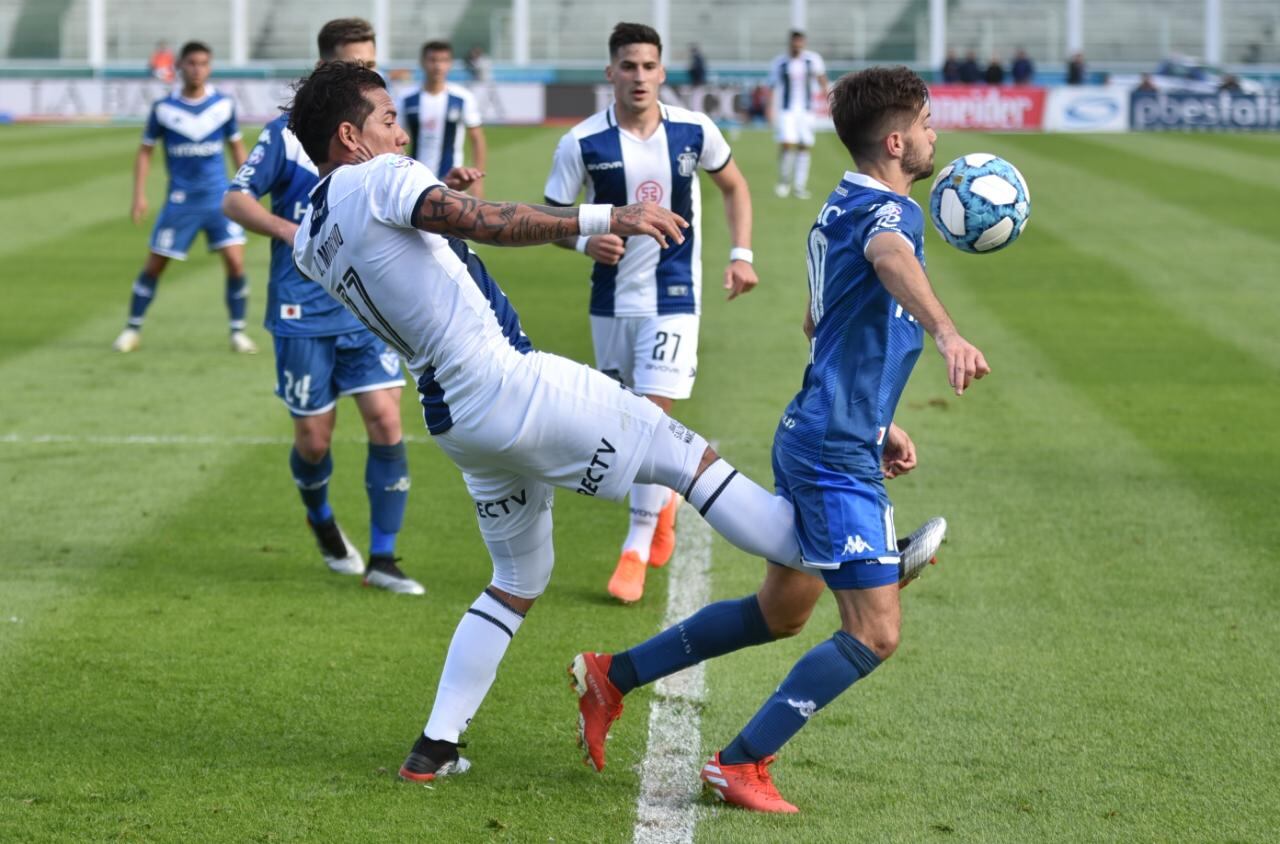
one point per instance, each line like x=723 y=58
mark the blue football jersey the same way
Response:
x=865 y=344
x=194 y=133
x=296 y=306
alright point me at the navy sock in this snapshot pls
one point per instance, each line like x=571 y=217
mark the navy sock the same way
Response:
x=144 y=290
x=386 y=479
x=715 y=629
x=313 y=483
x=237 y=300
x=817 y=679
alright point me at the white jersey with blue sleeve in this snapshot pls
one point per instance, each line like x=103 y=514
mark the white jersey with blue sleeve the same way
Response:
x=437 y=125
x=864 y=344
x=618 y=168
x=296 y=307
x=194 y=133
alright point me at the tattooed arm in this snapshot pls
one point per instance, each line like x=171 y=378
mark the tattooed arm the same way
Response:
x=444 y=211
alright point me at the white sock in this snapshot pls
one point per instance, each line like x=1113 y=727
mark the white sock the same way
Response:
x=647 y=501
x=744 y=513
x=478 y=645
x=786 y=165
x=802 y=169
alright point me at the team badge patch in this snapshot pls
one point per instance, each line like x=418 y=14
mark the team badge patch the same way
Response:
x=290 y=312
x=390 y=362
x=687 y=162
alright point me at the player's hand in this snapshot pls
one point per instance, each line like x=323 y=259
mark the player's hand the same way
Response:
x=649 y=219
x=965 y=363
x=899 y=452
x=139 y=209
x=606 y=248
x=739 y=278
x=461 y=178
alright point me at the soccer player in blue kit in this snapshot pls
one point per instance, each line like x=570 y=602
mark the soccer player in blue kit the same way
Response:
x=870 y=303
x=322 y=351
x=194 y=123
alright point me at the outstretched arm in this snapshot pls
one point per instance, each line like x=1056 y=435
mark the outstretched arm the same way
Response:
x=248 y=212
x=444 y=211
x=901 y=274
x=739 y=275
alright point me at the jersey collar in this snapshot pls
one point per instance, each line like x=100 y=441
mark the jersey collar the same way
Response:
x=865 y=181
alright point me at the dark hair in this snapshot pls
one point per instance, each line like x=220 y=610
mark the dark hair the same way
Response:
x=436 y=47
x=333 y=94
x=869 y=104
x=194 y=47
x=797 y=33
x=626 y=34
x=341 y=31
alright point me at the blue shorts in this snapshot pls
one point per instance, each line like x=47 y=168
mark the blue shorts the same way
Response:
x=312 y=372
x=844 y=523
x=183 y=217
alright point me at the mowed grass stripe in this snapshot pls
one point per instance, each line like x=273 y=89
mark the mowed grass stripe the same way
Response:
x=1173 y=149
x=1215 y=274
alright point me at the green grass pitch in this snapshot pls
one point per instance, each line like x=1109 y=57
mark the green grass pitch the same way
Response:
x=1094 y=660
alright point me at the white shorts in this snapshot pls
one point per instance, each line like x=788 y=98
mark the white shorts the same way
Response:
x=554 y=423
x=655 y=356
x=794 y=127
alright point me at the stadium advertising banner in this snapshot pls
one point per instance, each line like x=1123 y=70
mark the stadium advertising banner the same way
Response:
x=988 y=108
x=1160 y=110
x=1082 y=108
x=257 y=100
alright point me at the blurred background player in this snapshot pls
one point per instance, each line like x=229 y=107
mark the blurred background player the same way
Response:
x=645 y=301
x=322 y=351
x=441 y=115
x=870 y=303
x=795 y=76
x=194 y=124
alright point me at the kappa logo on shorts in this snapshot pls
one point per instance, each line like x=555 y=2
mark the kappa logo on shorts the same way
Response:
x=489 y=509
x=856 y=545
x=589 y=483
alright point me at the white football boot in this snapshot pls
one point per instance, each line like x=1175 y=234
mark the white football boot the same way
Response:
x=920 y=549
x=128 y=341
x=242 y=345
x=338 y=552
x=385 y=574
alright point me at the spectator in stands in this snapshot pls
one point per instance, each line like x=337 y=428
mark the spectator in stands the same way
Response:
x=1230 y=84
x=970 y=73
x=951 y=68
x=1075 y=69
x=994 y=74
x=1023 y=68
x=478 y=65
x=1146 y=84
x=161 y=62
x=697 y=67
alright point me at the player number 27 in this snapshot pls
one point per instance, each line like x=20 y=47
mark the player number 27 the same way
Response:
x=661 y=340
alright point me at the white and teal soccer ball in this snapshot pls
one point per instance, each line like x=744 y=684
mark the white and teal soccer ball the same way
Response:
x=979 y=203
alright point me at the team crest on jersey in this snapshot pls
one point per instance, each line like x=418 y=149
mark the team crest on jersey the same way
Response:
x=687 y=162
x=256 y=156
x=390 y=362
x=889 y=208
x=454 y=114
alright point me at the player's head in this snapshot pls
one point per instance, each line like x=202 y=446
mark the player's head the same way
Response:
x=882 y=114
x=348 y=40
x=797 y=42
x=194 y=63
x=342 y=112
x=436 y=59
x=635 y=66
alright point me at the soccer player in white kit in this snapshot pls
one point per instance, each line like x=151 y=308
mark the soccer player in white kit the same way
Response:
x=795 y=77
x=646 y=301
x=381 y=235
x=440 y=116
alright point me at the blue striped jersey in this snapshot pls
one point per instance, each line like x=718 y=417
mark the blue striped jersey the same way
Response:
x=618 y=168
x=296 y=307
x=437 y=126
x=194 y=133
x=865 y=344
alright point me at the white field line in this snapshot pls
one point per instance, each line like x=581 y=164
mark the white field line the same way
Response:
x=165 y=439
x=667 y=808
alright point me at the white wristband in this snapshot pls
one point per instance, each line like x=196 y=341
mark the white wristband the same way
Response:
x=741 y=253
x=594 y=219
x=582 y=244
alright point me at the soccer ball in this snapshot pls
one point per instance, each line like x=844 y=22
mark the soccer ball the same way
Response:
x=979 y=203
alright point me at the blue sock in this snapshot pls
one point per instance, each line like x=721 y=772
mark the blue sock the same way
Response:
x=237 y=300
x=713 y=630
x=144 y=290
x=817 y=679
x=386 y=479
x=313 y=483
